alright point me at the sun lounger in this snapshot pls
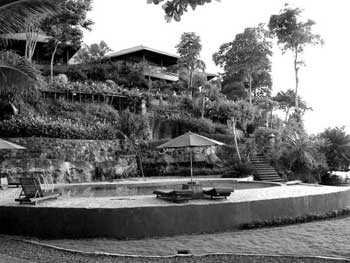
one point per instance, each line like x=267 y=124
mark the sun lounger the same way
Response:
x=32 y=193
x=174 y=195
x=218 y=192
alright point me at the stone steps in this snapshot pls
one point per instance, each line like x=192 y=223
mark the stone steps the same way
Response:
x=263 y=170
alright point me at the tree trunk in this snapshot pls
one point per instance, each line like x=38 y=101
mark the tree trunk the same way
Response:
x=52 y=60
x=250 y=88
x=32 y=34
x=296 y=69
x=203 y=105
x=14 y=109
x=287 y=113
x=233 y=124
x=271 y=118
x=190 y=82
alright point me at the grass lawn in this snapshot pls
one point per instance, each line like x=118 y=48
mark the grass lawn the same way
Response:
x=321 y=238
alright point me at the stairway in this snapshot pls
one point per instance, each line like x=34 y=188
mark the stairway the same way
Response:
x=263 y=170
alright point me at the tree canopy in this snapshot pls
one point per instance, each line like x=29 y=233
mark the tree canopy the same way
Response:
x=294 y=34
x=189 y=49
x=93 y=53
x=16 y=73
x=15 y=13
x=66 y=27
x=286 y=100
x=248 y=54
x=174 y=9
x=336 y=148
x=235 y=86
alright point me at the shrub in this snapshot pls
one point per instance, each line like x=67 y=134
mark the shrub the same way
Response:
x=186 y=105
x=336 y=148
x=133 y=125
x=42 y=126
x=239 y=169
x=262 y=135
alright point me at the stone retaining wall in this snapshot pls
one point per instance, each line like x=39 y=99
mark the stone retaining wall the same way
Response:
x=68 y=160
x=66 y=150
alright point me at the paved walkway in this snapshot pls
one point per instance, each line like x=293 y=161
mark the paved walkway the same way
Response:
x=318 y=238
x=8 y=259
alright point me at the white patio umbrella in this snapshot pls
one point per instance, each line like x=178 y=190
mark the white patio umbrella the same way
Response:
x=5 y=145
x=190 y=139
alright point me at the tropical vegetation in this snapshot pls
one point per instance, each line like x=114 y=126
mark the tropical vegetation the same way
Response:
x=294 y=34
x=17 y=73
x=237 y=107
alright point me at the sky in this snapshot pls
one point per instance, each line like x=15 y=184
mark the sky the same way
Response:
x=127 y=23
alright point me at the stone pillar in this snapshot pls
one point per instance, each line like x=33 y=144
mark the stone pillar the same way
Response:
x=143 y=107
x=272 y=139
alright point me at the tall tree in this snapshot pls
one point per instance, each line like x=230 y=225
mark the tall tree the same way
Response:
x=247 y=54
x=93 y=53
x=286 y=100
x=66 y=27
x=189 y=50
x=174 y=9
x=235 y=86
x=294 y=34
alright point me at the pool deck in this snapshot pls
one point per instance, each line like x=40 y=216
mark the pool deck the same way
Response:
x=125 y=217
x=7 y=197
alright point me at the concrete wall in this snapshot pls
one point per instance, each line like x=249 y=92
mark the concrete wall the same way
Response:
x=142 y=222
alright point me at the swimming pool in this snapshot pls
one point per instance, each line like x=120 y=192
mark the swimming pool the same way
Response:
x=147 y=187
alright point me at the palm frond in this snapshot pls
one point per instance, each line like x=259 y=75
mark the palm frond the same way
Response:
x=17 y=76
x=15 y=13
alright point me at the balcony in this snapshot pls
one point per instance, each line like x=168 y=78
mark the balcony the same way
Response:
x=160 y=73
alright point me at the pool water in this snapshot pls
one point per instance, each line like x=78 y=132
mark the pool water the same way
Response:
x=146 y=188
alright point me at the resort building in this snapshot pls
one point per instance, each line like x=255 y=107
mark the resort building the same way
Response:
x=156 y=64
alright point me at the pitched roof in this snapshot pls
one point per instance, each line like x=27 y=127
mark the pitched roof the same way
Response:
x=137 y=49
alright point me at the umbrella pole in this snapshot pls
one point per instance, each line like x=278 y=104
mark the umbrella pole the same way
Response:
x=191 y=165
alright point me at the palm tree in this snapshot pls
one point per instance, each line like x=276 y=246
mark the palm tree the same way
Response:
x=303 y=156
x=301 y=151
x=15 y=13
x=336 y=148
x=16 y=73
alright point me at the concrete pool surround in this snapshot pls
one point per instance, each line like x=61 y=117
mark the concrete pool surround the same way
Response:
x=144 y=216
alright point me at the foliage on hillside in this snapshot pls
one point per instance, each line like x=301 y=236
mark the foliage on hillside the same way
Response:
x=62 y=119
